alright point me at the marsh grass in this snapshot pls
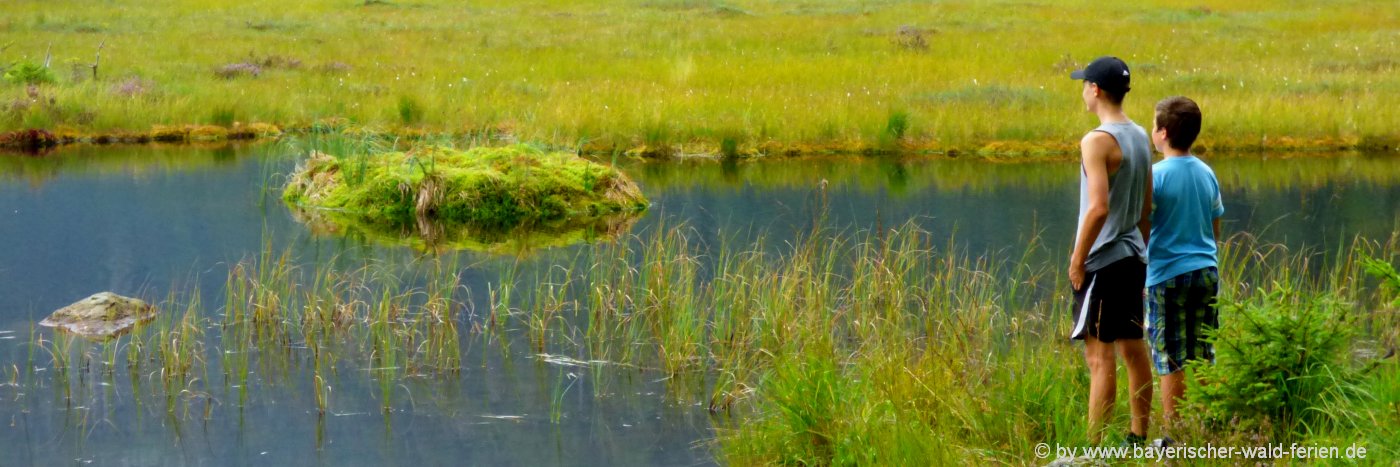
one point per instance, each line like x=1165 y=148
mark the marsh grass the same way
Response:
x=884 y=348
x=628 y=74
x=834 y=347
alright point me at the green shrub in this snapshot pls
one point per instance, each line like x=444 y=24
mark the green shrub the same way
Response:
x=1390 y=279
x=896 y=125
x=1282 y=365
x=410 y=110
x=224 y=116
x=729 y=146
x=29 y=73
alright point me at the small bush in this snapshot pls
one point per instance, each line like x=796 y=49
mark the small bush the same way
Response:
x=29 y=73
x=896 y=125
x=237 y=70
x=911 y=38
x=410 y=110
x=133 y=87
x=1390 y=279
x=1281 y=362
x=224 y=116
x=729 y=147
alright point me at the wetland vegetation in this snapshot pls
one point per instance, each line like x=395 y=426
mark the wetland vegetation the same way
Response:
x=875 y=347
x=548 y=232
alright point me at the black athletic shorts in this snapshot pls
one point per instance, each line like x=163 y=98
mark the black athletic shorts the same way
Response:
x=1109 y=306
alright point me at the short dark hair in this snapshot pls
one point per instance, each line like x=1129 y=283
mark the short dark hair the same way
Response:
x=1182 y=120
x=1113 y=95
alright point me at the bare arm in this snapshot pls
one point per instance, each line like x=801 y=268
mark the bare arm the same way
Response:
x=1215 y=225
x=1145 y=223
x=1094 y=149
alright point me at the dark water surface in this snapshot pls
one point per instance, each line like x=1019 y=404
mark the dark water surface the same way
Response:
x=145 y=220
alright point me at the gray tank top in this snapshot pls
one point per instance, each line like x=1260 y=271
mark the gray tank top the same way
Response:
x=1126 y=188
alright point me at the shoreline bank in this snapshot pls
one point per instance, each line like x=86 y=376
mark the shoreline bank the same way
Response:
x=38 y=142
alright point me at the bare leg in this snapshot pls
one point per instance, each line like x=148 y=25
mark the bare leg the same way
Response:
x=1103 y=384
x=1173 y=389
x=1135 y=357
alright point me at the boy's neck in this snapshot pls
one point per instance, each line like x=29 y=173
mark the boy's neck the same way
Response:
x=1109 y=113
x=1170 y=152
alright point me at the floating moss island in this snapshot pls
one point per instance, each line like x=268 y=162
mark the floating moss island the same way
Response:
x=482 y=198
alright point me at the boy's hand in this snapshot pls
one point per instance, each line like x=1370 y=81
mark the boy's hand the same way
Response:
x=1076 y=274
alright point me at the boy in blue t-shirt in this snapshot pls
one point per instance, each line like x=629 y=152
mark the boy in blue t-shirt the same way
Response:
x=1182 y=279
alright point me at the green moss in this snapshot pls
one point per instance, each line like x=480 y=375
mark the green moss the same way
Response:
x=446 y=196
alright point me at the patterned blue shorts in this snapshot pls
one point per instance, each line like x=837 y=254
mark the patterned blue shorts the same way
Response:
x=1181 y=313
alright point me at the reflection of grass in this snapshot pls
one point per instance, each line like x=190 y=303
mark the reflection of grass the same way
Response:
x=137 y=161
x=1235 y=171
x=435 y=237
x=623 y=74
x=915 y=175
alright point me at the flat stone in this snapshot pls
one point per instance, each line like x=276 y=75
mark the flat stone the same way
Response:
x=102 y=315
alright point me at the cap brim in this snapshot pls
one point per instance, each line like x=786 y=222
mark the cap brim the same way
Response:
x=1076 y=74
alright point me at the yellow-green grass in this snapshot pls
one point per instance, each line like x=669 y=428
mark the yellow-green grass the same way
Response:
x=711 y=76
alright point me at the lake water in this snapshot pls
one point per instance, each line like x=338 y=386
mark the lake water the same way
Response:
x=145 y=220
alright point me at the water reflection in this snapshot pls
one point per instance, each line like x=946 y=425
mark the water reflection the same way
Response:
x=430 y=236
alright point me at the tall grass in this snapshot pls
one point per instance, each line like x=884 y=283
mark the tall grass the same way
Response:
x=626 y=74
x=884 y=348
x=876 y=347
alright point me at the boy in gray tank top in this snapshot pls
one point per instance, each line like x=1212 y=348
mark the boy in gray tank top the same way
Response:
x=1108 y=266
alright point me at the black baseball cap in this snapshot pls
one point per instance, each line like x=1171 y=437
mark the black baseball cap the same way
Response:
x=1108 y=73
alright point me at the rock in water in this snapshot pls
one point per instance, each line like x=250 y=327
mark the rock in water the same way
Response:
x=101 y=316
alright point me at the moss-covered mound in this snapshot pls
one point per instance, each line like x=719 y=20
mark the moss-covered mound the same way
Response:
x=476 y=198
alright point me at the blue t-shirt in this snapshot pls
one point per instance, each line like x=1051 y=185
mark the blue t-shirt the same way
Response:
x=1185 y=201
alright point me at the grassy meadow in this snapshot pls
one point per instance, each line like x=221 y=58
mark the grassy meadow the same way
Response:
x=697 y=76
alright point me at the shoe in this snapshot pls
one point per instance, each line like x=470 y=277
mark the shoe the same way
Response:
x=1163 y=442
x=1134 y=440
